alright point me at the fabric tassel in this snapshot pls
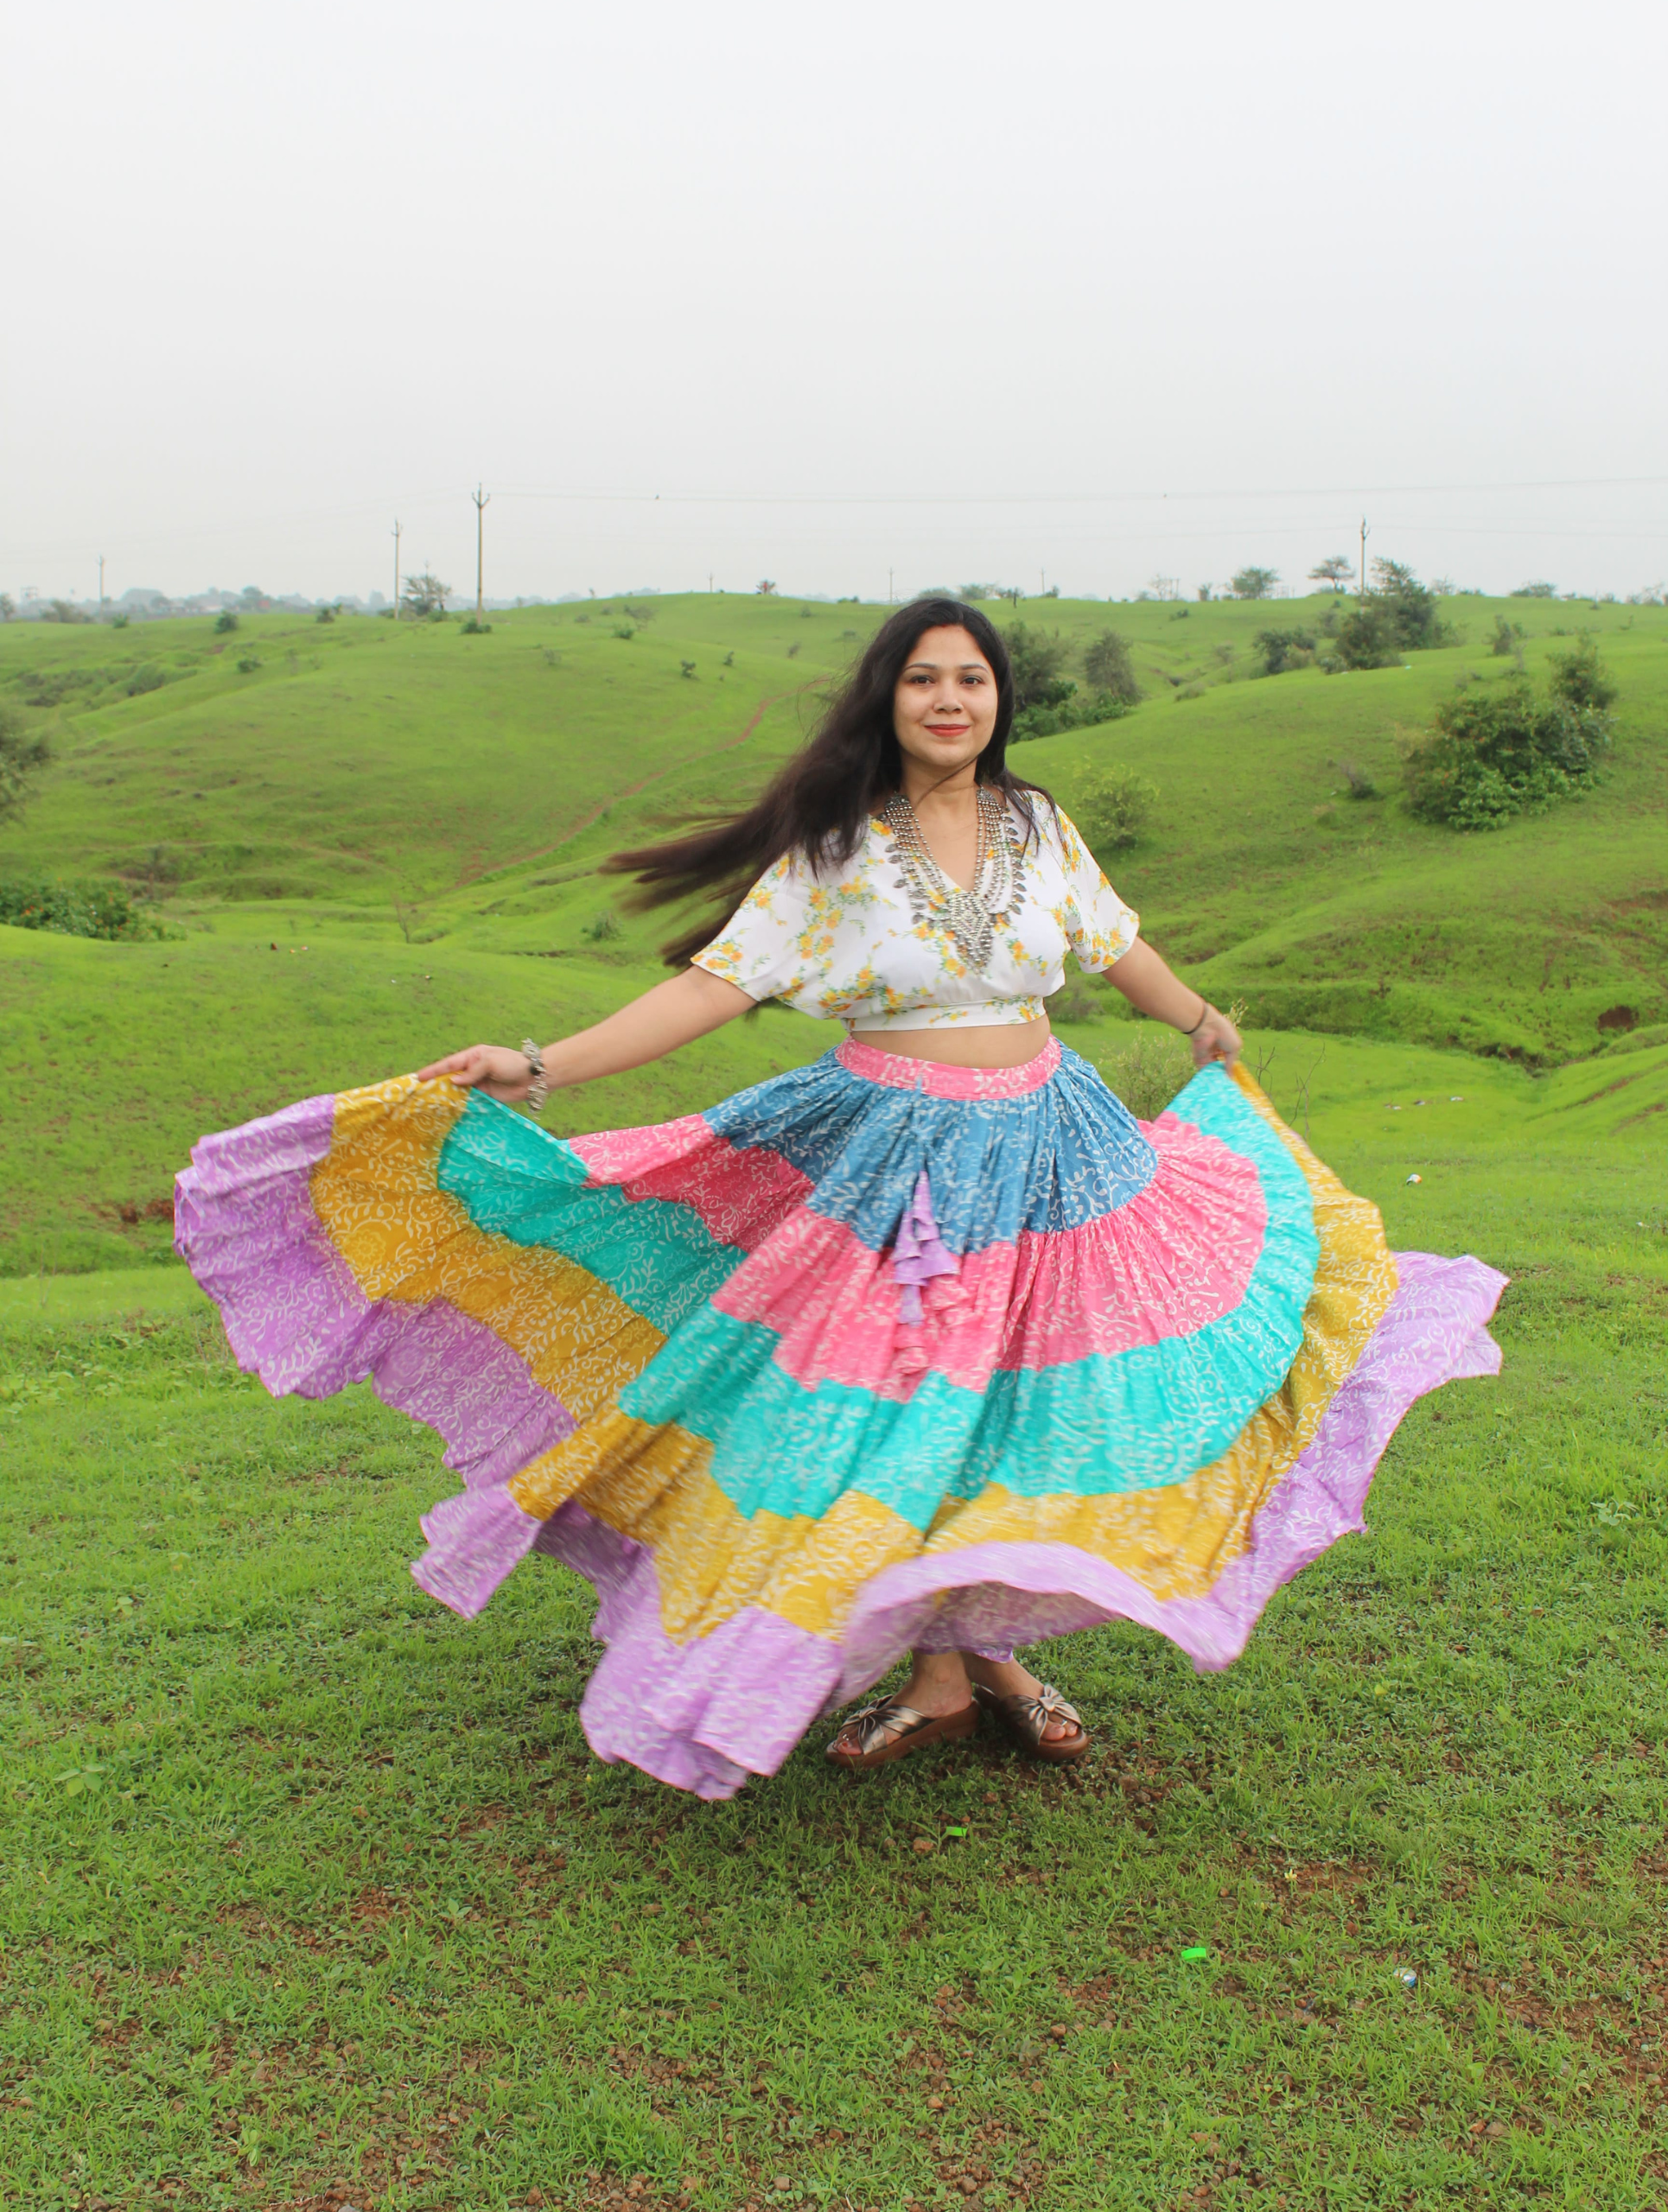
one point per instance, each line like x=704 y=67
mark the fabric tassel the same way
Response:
x=919 y=1259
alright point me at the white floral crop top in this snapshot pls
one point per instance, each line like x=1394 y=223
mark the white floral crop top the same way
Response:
x=865 y=946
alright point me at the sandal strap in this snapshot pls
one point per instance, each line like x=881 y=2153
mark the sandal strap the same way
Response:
x=883 y=1723
x=1032 y=1714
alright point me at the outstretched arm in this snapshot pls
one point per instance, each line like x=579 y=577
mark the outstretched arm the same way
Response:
x=674 y=1012
x=1151 y=987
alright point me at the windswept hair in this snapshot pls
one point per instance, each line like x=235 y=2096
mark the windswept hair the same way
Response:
x=820 y=802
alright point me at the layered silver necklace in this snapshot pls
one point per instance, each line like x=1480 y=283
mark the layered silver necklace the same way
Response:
x=969 y=916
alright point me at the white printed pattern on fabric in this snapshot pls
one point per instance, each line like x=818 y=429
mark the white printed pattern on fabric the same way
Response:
x=845 y=945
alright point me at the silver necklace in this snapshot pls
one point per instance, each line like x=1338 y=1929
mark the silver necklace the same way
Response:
x=969 y=916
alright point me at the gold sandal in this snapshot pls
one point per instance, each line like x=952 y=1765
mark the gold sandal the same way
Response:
x=1025 y=1718
x=889 y=1730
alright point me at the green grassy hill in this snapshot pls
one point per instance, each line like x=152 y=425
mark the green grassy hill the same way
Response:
x=424 y=812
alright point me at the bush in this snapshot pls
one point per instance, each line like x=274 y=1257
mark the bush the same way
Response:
x=1500 y=751
x=601 y=928
x=146 y=677
x=1534 y=591
x=21 y=754
x=1367 y=637
x=1108 y=668
x=1149 y=1071
x=101 y=909
x=1580 y=679
x=248 y=664
x=223 y=621
x=1284 y=649
x=1113 y=806
x=1506 y=636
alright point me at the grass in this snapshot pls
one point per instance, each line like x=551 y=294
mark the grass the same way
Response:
x=311 y=1895
x=308 y=1884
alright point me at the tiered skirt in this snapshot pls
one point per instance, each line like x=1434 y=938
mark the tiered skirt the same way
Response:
x=879 y=1353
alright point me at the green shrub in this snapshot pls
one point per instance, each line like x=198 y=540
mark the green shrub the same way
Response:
x=146 y=677
x=99 y=910
x=1365 y=638
x=1284 y=649
x=1580 y=679
x=248 y=664
x=1505 y=638
x=1500 y=751
x=223 y=621
x=601 y=928
x=1146 y=1073
x=21 y=754
x=1113 y=806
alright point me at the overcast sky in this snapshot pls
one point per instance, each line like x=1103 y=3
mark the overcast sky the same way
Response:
x=1091 y=292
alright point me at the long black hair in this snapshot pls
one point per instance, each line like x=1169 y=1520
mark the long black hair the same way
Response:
x=820 y=802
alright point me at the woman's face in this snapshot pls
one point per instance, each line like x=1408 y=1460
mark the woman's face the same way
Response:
x=944 y=707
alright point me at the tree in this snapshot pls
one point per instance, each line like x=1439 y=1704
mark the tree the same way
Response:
x=1107 y=666
x=61 y=610
x=426 y=596
x=20 y=756
x=765 y=587
x=974 y=593
x=8 y=606
x=1038 y=662
x=1336 y=570
x=1415 y=617
x=1254 y=583
x=225 y=620
x=1535 y=591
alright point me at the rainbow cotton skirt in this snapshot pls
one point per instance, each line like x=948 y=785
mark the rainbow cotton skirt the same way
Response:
x=879 y=1353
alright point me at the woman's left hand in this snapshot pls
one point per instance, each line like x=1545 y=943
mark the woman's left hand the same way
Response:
x=491 y=1068
x=1215 y=1039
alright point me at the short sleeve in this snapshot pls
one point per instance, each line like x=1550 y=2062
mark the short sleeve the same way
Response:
x=759 y=948
x=1099 y=927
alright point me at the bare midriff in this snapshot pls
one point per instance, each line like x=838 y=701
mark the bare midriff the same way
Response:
x=1008 y=1045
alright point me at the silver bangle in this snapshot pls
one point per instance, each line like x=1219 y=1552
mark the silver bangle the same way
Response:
x=540 y=1090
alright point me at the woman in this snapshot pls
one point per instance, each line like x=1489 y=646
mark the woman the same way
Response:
x=929 y=1346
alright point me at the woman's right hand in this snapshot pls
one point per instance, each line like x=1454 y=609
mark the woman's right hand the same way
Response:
x=491 y=1068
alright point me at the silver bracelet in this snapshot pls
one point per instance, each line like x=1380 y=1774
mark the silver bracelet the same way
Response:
x=541 y=1088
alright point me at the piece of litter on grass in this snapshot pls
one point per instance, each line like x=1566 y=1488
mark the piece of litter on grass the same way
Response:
x=955 y=1831
x=1197 y=1951
x=1456 y=1102
x=1415 y=1179
x=1407 y=1979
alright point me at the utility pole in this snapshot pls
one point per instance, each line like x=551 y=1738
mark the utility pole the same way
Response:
x=101 y=583
x=1365 y=534
x=397 y=568
x=483 y=500
x=891 y=596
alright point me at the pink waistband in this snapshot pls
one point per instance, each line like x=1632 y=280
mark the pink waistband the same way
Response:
x=942 y=1081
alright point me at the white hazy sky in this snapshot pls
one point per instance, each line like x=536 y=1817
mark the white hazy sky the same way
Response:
x=983 y=292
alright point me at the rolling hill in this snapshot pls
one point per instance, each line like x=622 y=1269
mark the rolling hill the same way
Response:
x=423 y=811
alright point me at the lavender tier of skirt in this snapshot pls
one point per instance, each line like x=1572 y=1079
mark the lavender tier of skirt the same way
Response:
x=705 y=1715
